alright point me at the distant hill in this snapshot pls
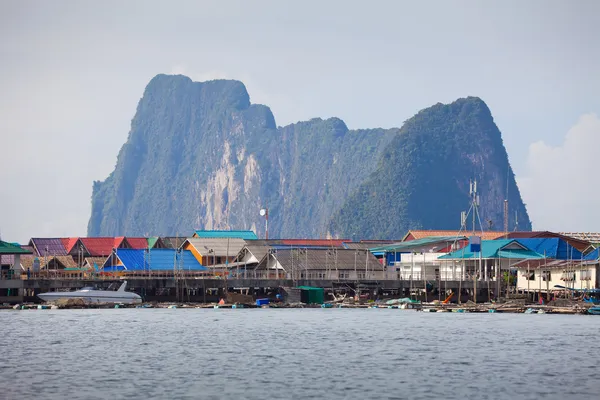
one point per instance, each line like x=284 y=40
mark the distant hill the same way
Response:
x=200 y=155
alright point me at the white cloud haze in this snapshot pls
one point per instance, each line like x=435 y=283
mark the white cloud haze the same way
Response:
x=72 y=73
x=560 y=184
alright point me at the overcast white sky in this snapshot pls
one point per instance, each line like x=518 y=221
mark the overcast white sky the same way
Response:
x=72 y=72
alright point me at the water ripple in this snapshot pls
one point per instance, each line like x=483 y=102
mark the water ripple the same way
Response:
x=299 y=354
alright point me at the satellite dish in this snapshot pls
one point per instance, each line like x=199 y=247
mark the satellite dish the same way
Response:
x=262 y=212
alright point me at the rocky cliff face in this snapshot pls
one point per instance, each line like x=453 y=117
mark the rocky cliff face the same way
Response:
x=422 y=179
x=200 y=155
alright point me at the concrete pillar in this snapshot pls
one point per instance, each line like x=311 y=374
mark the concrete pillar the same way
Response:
x=17 y=266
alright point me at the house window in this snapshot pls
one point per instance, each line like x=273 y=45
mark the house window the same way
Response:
x=546 y=276
x=530 y=276
x=361 y=275
x=568 y=276
x=586 y=275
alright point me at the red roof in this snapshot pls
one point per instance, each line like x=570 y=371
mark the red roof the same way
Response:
x=137 y=242
x=99 y=246
x=315 y=242
x=69 y=243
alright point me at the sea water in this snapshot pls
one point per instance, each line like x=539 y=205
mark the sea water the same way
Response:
x=296 y=354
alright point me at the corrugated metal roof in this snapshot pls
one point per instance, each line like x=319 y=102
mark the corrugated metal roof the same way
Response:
x=581 y=245
x=494 y=249
x=594 y=255
x=315 y=242
x=155 y=241
x=137 y=242
x=421 y=234
x=173 y=242
x=322 y=259
x=9 y=248
x=119 y=242
x=68 y=243
x=593 y=237
x=552 y=248
x=368 y=244
x=257 y=251
x=216 y=234
x=158 y=260
x=48 y=246
x=218 y=246
x=427 y=244
x=98 y=246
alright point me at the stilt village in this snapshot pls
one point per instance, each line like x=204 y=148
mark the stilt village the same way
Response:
x=428 y=270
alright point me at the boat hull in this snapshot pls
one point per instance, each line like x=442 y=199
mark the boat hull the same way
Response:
x=91 y=298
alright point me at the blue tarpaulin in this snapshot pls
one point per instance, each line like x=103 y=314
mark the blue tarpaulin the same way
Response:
x=555 y=248
x=158 y=260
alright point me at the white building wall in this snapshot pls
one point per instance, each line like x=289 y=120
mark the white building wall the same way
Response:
x=555 y=279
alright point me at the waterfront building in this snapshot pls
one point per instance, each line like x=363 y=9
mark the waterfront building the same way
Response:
x=487 y=262
x=214 y=252
x=550 y=275
x=10 y=259
x=151 y=260
x=417 y=259
x=320 y=264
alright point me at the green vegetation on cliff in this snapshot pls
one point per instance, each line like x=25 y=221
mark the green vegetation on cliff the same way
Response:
x=422 y=178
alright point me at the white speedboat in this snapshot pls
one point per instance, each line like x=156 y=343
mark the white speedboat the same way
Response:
x=92 y=295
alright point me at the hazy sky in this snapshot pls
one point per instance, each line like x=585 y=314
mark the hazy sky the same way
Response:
x=72 y=72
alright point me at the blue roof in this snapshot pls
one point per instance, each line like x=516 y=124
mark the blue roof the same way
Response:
x=495 y=249
x=594 y=255
x=556 y=248
x=246 y=235
x=158 y=260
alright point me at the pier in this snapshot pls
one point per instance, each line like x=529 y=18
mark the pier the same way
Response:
x=199 y=289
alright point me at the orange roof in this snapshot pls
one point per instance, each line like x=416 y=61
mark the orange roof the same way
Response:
x=119 y=241
x=489 y=235
x=137 y=242
x=69 y=243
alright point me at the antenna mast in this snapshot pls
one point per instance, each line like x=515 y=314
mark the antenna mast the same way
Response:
x=505 y=215
x=506 y=201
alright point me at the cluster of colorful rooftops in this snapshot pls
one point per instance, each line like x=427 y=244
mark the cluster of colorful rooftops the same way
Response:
x=567 y=258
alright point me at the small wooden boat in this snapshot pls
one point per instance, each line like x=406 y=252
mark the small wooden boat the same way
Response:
x=594 y=310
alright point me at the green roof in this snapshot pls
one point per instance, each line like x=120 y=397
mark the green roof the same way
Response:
x=246 y=235
x=501 y=248
x=9 y=248
x=152 y=241
x=428 y=242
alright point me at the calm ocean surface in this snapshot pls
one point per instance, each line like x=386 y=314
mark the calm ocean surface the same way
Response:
x=296 y=354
